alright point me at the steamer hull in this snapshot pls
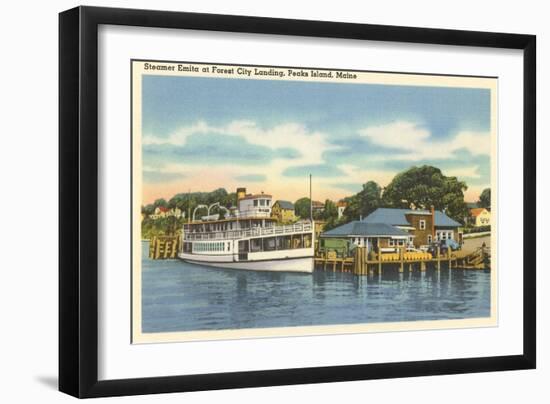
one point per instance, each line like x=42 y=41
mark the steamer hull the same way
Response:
x=286 y=264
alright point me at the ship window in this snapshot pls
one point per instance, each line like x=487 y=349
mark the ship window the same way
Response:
x=262 y=202
x=243 y=246
x=307 y=240
x=297 y=241
x=255 y=202
x=255 y=244
x=285 y=242
x=269 y=244
x=228 y=246
x=267 y=202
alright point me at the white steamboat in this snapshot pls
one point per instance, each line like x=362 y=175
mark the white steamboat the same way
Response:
x=248 y=237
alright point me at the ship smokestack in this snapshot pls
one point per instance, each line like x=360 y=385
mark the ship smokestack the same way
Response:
x=241 y=193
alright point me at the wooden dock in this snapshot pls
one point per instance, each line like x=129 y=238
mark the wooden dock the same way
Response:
x=364 y=264
x=164 y=247
x=333 y=263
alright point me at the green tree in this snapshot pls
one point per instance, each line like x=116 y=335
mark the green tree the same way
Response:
x=426 y=186
x=160 y=202
x=364 y=202
x=330 y=212
x=302 y=208
x=148 y=209
x=485 y=199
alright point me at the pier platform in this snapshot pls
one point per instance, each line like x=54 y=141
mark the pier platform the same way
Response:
x=363 y=263
x=164 y=247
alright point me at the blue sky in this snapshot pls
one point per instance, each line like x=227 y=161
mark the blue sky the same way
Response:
x=269 y=134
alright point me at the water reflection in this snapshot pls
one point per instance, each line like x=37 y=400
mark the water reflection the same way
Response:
x=177 y=296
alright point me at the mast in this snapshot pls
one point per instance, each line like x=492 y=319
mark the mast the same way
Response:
x=189 y=206
x=310 y=201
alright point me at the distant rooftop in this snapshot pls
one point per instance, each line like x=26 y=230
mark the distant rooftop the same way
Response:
x=477 y=211
x=285 y=204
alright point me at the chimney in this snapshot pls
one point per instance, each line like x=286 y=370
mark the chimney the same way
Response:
x=433 y=222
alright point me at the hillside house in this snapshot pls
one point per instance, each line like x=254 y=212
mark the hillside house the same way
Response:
x=317 y=206
x=283 y=211
x=161 y=212
x=341 y=206
x=480 y=217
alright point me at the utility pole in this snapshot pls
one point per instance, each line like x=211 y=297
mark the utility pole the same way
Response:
x=310 y=201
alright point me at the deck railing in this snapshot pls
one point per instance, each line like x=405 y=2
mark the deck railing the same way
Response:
x=252 y=232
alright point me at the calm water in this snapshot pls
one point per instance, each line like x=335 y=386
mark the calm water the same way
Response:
x=178 y=296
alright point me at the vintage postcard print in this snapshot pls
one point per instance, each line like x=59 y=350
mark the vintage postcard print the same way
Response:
x=280 y=201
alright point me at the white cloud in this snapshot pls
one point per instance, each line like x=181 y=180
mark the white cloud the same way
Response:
x=400 y=135
x=417 y=144
x=310 y=144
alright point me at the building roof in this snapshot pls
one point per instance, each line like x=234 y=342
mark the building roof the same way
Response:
x=163 y=209
x=285 y=204
x=317 y=204
x=477 y=211
x=396 y=217
x=363 y=229
x=255 y=196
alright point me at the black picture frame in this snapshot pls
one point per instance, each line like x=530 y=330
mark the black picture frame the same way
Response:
x=78 y=196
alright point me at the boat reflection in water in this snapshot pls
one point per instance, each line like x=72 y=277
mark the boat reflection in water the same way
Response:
x=179 y=296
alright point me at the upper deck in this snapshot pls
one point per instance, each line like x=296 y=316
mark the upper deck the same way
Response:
x=258 y=231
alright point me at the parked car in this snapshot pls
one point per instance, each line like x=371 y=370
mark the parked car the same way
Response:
x=443 y=248
x=452 y=244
